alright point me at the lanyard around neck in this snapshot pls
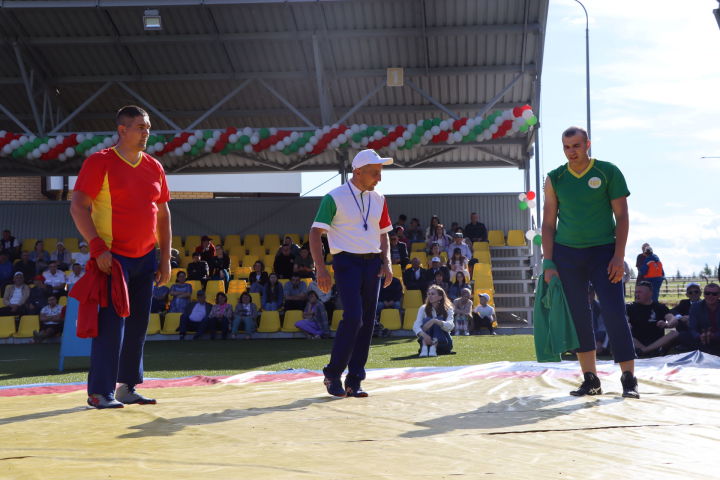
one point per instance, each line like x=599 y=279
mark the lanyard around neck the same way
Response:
x=367 y=213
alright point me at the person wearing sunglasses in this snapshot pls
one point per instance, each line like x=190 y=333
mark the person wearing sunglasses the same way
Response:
x=705 y=320
x=649 y=321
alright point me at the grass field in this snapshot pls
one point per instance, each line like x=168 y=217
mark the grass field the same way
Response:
x=28 y=363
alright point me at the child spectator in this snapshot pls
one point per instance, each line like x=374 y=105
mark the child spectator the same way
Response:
x=220 y=317
x=181 y=291
x=484 y=315
x=463 y=311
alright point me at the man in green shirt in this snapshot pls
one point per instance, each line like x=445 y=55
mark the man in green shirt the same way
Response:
x=584 y=232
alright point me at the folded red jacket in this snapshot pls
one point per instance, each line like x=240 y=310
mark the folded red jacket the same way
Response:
x=92 y=292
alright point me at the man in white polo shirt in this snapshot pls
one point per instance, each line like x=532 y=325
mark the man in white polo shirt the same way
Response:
x=356 y=220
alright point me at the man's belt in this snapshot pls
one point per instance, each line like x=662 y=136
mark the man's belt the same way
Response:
x=364 y=256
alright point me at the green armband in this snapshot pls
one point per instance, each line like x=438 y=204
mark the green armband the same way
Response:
x=548 y=265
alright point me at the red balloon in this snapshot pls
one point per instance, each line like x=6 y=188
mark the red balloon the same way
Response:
x=517 y=111
x=530 y=195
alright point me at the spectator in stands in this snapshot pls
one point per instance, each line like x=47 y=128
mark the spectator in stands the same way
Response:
x=62 y=257
x=400 y=231
x=440 y=237
x=328 y=299
x=294 y=248
x=640 y=261
x=458 y=263
x=601 y=337
x=40 y=257
x=75 y=274
x=460 y=282
x=195 y=317
x=682 y=314
x=6 y=270
x=284 y=264
x=435 y=267
x=258 y=277
x=198 y=269
x=206 y=249
x=402 y=219
x=398 y=251
x=272 y=297
x=463 y=311
x=52 y=317
x=16 y=294
x=303 y=264
x=83 y=256
x=652 y=271
x=433 y=250
x=415 y=277
x=246 y=313
x=705 y=320
x=476 y=230
x=159 y=301
x=221 y=315
x=434 y=323
x=648 y=322
x=314 y=323
x=220 y=266
x=54 y=280
x=414 y=233
x=295 y=293
x=10 y=245
x=430 y=230
x=26 y=266
x=458 y=241
x=38 y=296
x=181 y=292
x=439 y=280
x=484 y=314
x=390 y=296
x=174 y=258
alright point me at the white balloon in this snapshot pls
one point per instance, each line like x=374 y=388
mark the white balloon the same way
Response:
x=363 y=126
x=192 y=140
x=342 y=138
x=457 y=136
x=255 y=139
x=411 y=128
x=313 y=140
x=444 y=125
x=52 y=143
x=464 y=130
x=6 y=150
x=248 y=148
x=62 y=157
x=211 y=141
x=186 y=147
x=32 y=138
x=178 y=152
x=435 y=130
x=233 y=138
x=115 y=138
x=400 y=142
x=44 y=148
x=216 y=134
x=36 y=153
x=364 y=141
x=531 y=203
x=108 y=141
x=392 y=146
x=470 y=123
x=530 y=234
x=69 y=152
x=522 y=197
x=23 y=140
x=159 y=146
x=150 y=150
x=493 y=128
x=30 y=156
x=480 y=138
x=378 y=135
x=427 y=135
x=3 y=133
x=247 y=131
x=325 y=129
x=273 y=131
x=15 y=144
x=294 y=136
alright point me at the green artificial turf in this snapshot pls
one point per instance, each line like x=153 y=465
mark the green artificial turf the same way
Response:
x=28 y=363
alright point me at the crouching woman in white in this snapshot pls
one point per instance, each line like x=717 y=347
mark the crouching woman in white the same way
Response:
x=434 y=323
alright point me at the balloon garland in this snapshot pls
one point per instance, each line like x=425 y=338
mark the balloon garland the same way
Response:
x=496 y=125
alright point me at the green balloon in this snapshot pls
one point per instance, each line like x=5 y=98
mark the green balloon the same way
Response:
x=244 y=140
x=427 y=124
x=532 y=120
x=436 y=121
x=537 y=239
x=523 y=205
x=264 y=133
x=207 y=134
x=357 y=137
x=524 y=127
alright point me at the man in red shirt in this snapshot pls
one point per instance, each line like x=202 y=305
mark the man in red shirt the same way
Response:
x=119 y=205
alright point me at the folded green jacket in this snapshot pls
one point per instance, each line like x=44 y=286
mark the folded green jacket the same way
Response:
x=554 y=330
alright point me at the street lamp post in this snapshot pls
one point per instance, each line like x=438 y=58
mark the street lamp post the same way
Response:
x=587 y=71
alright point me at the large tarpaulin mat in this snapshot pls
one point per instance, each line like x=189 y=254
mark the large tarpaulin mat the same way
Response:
x=501 y=420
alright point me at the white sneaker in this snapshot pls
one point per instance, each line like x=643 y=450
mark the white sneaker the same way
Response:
x=432 y=351
x=423 y=351
x=467 y=333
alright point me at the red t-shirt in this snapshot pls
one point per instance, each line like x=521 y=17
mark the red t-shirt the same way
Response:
x=125 y=198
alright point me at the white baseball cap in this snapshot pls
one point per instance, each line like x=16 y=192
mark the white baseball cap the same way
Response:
x=369 y=157
x=435 y=259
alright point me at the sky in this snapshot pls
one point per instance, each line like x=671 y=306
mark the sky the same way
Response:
x=655 y=105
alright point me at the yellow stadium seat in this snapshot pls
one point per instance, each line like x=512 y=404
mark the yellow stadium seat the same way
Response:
x=62 y=301
x=185 y=261
x=257 y=300
x=390 y=318
x=496 y=238
x=337 y=316
x=418 y=247
x=268 y=261
x=196 y=285
x=232 y=240
x=516 y=238
x=28 y=244
x=444 y=257
x=212 y=288
x=306 y=237
x=241 y=273
x=251 y=240
x=258 y=251
x=50 y=244
x=237 y=251
x=420 y=256
x=269 y=322
x=233 y=298
x=154 y=324
x=28 y=323
x=237 y=286
x=171 y=324
x=409 y=318
x=412 y=299
x=271 y=242
x=397 y=272
x=481 y=246
x=291 y=316
x=295 y=238
x=484 y=282
x=177 y=244
x=283 y=281
x=481 y=269
x=192 y=242
x=7 y=327
x=71 y=244
x=249 y=260
x=482 y=256
x=215 y=239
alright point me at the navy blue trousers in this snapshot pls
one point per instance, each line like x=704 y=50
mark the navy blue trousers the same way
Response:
x=358 y=285
x=578 y=267
x=117 y=352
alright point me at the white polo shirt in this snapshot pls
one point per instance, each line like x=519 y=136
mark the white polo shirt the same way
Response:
x=353 y=219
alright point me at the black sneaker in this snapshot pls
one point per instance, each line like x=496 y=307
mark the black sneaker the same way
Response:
x=590 y=386
x=334 y=387
x=353 y=388
x=629 y=384
x=127 y=395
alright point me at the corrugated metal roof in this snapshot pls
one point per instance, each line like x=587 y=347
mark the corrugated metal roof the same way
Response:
x=460 y=52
